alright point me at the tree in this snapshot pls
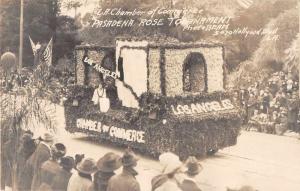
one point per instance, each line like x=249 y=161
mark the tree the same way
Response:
x=292 y=55
x=42 y=21
x=270 y=55
x=255 y=17
x=20 y=108
x=73 y=4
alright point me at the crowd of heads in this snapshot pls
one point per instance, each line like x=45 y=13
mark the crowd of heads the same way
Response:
x=43 y=165
x=271 y=106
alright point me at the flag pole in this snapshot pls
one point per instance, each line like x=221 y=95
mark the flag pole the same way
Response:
x=21 y=37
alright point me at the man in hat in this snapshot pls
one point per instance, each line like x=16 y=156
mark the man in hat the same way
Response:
x=282 y=126
x=8 y=158
x=293 y=109
x=61 y=179
x=83 y=180
x=266 y=102
x=169 y=179
x=40 y=155
x=106 y=167
x=25 y=150
x=189 y=183
x=51 y=167
x=125 y=181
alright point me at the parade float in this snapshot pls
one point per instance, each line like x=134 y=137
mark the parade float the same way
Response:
x=162 y=97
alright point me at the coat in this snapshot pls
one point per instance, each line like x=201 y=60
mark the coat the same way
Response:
x=24 y=173
x=292 y=111
x=158 y=180
x=101 y=180
x=8 y=160
x=124 y=182
x=169 y=185
x=41 y=154
x=49 y=169
x=61 y=180
x=189 y=185
x=78 y=183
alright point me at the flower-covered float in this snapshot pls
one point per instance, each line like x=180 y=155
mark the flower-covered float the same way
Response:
x=162 y=97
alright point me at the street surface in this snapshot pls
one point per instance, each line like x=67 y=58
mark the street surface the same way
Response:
x=266 y=162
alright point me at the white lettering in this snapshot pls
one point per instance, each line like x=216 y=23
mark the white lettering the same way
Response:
x=129 y=135
x=196 y=108
x=99 y=68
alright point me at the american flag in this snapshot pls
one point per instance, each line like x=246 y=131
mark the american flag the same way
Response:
x=245 y=3
x=47 y=54
x=32 y=46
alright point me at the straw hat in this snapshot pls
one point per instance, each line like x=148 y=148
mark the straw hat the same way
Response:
x=47 y=137
x=170 y=161
x=193 y=166
x=129 y=158
x=87 y=166
x=109 y=162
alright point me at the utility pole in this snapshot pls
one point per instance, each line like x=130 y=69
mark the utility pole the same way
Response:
x=21 y=36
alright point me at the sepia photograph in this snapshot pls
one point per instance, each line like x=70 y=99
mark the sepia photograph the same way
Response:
x=150 y=95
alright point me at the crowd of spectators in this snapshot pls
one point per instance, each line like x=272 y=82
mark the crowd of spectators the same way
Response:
x=42 y=165
x=272 y=106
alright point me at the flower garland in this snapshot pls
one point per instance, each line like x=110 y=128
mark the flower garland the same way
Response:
x=162 y=71
x=161 y=134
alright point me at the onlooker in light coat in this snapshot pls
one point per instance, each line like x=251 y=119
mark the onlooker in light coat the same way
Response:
x=125 y=181
x=82 y=181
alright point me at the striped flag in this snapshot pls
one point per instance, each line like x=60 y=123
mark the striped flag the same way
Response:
x=47 y=54
x=245 y=3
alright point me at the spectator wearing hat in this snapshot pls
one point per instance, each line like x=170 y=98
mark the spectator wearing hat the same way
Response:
x=279 y=98
x=284 y=86
x=168 y=179
x=61 y=179
x=82 y=181
x=289 y=85
x=243 y=188
x=252 y=105
x=244 y=98
x=282 y=126
x=78 y=159
x=293 y=109
x=275 y=119
x=273 y=87
x=266 y=102
x=295 y=86
x=125 y=181
x=40 y=155
x=8 y=158
x=194 y=168
x=26 y=149
x=106 y=167
x=51 y=167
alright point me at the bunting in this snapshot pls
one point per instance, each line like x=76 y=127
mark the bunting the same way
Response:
x=47 y=54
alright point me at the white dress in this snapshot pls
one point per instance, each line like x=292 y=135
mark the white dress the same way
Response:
x=98 y=93
x=99 y=98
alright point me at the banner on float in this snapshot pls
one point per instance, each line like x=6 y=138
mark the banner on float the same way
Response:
x=99 y=68
x=111 y=131
x=201 y=107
